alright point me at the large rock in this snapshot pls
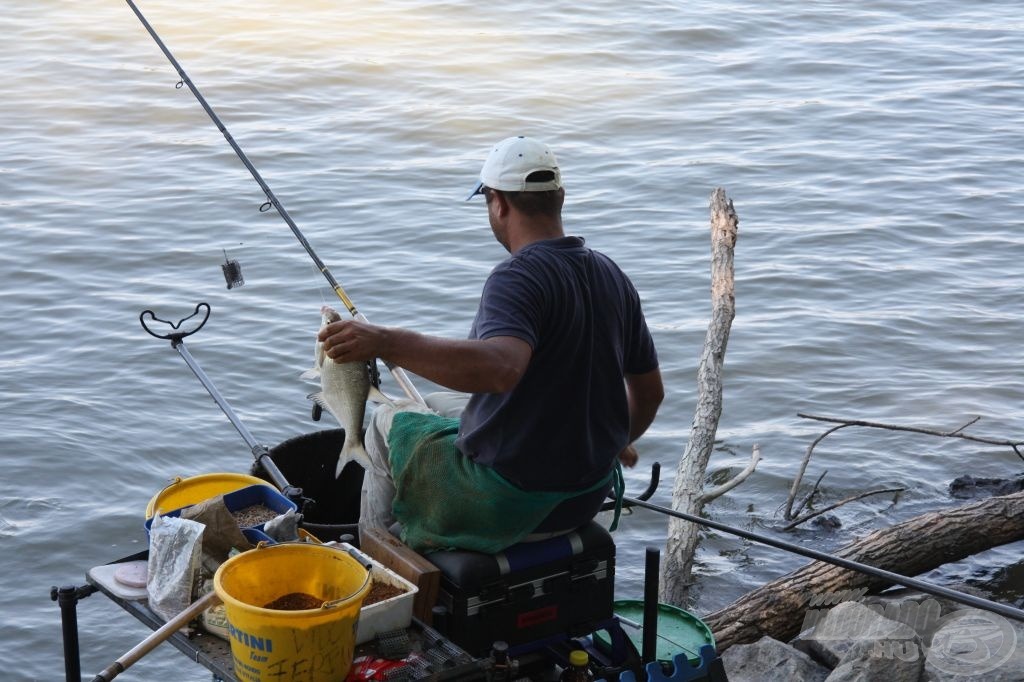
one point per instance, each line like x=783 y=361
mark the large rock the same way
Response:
x=769 y=659
x=919 y=610
x=851 y=624
x=889 y=660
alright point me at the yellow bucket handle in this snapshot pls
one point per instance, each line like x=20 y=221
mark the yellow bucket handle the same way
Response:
x=369 y=575
x=331 y=604
x=262 y=545
x=158 y=511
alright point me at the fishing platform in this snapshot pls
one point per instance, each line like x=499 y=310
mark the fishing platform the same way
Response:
x=511 y=616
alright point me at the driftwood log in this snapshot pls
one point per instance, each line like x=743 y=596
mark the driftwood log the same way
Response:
x=909 y=548
x=688 y=493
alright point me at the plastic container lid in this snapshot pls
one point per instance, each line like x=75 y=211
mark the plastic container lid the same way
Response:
x=579 y=658
x=679 y=631
x=132 y=573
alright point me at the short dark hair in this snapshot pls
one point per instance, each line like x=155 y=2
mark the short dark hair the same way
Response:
x=548 y=202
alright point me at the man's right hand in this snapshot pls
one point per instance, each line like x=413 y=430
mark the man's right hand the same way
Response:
x=629 y=456
x=353 y=340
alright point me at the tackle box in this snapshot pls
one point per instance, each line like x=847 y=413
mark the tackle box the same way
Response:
x=559 y=586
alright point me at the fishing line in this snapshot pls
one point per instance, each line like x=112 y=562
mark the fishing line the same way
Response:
x=397 y=372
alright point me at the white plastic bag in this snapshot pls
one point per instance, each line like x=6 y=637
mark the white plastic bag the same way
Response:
x=284 y=527
x=175 y=554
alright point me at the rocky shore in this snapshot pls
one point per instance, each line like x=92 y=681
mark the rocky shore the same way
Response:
x=900 y=636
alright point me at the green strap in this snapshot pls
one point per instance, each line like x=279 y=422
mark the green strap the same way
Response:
x=619 y=490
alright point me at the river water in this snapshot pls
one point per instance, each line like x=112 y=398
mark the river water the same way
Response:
x=873 y=152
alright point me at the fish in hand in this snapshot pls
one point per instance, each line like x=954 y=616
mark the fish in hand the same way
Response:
x=344 y=389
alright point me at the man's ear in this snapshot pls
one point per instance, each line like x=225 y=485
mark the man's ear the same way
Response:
x=501 y=204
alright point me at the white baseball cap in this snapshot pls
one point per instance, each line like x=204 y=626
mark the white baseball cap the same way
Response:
x=513 y=160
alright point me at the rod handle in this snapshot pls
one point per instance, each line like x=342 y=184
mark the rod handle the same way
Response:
x=163 y=633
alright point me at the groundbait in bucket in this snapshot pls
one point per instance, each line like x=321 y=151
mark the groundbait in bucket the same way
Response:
x=310 y=645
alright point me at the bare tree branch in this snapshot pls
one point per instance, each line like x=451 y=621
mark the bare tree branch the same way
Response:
x=755 y=457
x=973 y=421
x=803 y=467
x=810 y=495
x=1016 y=445
x=829 y=508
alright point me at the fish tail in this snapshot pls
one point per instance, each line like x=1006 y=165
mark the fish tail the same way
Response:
x=352 y=452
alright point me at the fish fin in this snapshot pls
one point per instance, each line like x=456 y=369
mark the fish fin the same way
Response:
x=352 y=452
x=318 y=398
x=311 y=374
x=378 y=396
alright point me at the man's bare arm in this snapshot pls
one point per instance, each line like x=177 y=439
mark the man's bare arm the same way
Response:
x=644 y=393
x=493 y=365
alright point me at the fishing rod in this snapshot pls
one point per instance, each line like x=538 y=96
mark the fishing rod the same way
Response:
x=397 y=372
x=889 y=576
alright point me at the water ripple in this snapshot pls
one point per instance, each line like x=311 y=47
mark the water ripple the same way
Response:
x=872 y=153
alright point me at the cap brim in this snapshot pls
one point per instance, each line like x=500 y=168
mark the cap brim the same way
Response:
x=476 y=190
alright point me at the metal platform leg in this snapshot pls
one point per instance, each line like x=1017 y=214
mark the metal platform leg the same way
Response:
x=67 y=599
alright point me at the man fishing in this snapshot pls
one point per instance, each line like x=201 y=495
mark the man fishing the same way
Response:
x=562 y=372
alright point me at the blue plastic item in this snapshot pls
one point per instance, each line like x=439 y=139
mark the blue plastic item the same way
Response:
x=256 y=536
x=682 y=668
x=247 y=497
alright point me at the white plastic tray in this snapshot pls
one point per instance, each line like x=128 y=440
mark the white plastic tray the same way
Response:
x=391 y=614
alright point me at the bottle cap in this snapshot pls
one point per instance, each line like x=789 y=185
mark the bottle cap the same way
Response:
x=579 y=657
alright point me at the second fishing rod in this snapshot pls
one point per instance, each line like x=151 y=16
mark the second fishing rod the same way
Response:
x=396 y=372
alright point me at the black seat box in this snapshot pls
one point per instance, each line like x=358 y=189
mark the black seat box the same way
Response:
x=530 y=591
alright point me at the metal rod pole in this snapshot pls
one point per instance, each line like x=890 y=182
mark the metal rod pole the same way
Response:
x=259 y=451
x=651 y=576
x=397 y=372
x=67 y=598
x=889 y=576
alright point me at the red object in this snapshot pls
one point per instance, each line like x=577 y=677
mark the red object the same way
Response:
x=370 y=668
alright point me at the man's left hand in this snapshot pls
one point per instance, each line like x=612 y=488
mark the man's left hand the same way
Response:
x=629 y=456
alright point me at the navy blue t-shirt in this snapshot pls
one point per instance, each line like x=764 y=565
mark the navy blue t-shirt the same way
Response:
x=567 y=419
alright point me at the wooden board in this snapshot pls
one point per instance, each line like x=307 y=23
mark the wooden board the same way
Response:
x=396 y=555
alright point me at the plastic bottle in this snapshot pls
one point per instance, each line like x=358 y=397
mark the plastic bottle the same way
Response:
x=579 y=668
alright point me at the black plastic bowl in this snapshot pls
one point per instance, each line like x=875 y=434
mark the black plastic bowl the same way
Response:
x=308 y=462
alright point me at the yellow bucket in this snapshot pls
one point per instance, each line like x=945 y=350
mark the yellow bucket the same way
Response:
x=310 y=645
x=183 y=492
